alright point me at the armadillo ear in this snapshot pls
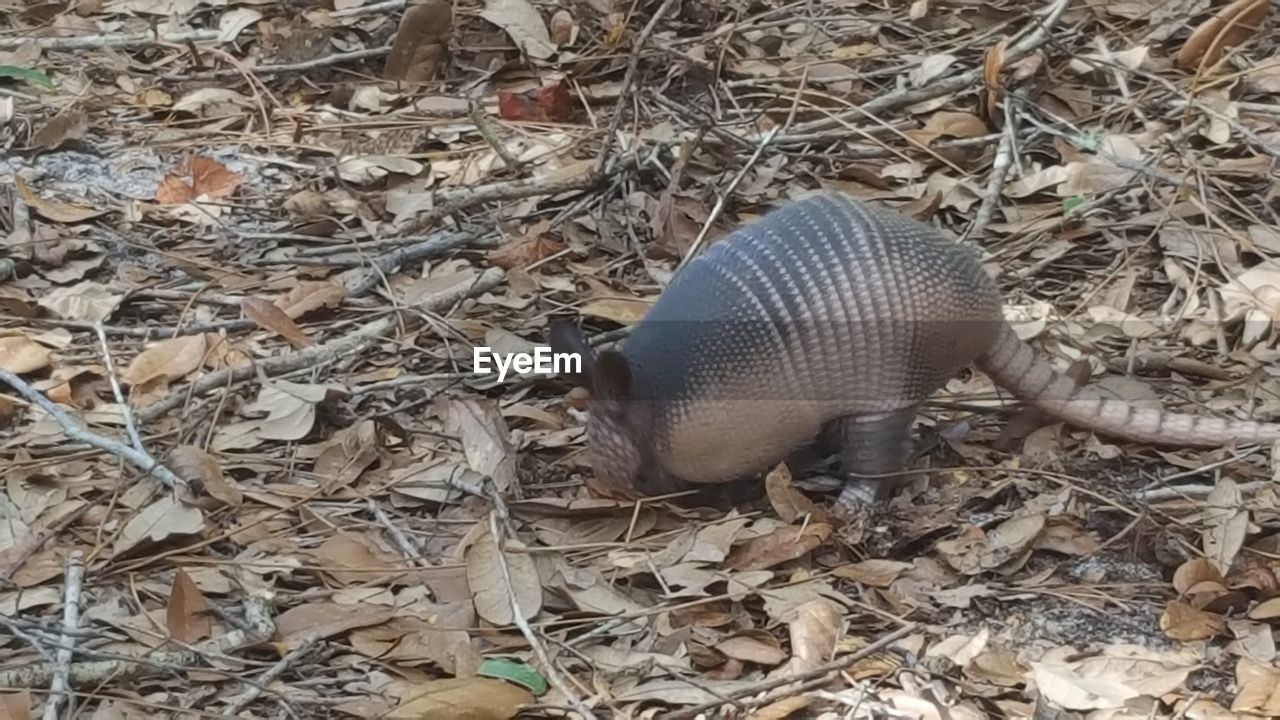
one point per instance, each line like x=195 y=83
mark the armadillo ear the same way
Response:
x=567 y=338
x=612 y=377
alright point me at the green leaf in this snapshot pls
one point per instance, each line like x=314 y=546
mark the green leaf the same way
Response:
x=1072 y=203
x=31 y=75
x=515 y=672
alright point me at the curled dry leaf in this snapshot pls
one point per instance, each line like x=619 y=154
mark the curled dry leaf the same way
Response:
x=787 y=501
x=1231 y=26
x=269 y=316
x=208 y=178
x=170 y=359
x=163 y=519
x=490 y=589
x=86 y=302
x=485 y=438
x=788 y=543
x=564 y=31
x=311 y=295
x=753 y=646
x=875 y=572
x=55 y=210
x=816 y=628
x=203 y=471
x=20 y=354
x=1009 y=542
x=1225 y=525
x=450 y=698
x=1184 y=623
x=523 y=23
x=549 y=103
x=420 y=41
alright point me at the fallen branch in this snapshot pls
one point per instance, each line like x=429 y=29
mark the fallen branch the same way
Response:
x=971 y=79
x=140 y=459
x=93 y=42
x=259 y=629
x=313 y=355
x=806 y=681
x=61 y=683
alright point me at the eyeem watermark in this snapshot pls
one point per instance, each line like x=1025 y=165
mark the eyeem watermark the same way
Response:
x=542 y=361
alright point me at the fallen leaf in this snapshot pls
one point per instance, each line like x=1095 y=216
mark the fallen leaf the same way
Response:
x=816 y=629
x=548 y=103
x=420 y=43
x=474 y=698
x=754 y=646
x=788 y=543
x=311 y=295
x=1232 y=25
x=185 y=615
x=269 y=316
x=55 y=210
x=486 y=440
x=622 y=310
x=523 y=23
x=787 y=501
x=1225 y=524
x=159 y=521
x=874 y=572
x=171 y=359
x=203 y=471
x=20 y=354
x=70 y=125
x=1184 y=623
x=563 y=30
x=493 y=590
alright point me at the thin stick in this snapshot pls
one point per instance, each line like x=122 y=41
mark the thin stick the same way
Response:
x=719 y=207
x=628 y=81
x=517 y=615
x=58 y=688
x=93 y=42
x=75 y=431
x=807 y=680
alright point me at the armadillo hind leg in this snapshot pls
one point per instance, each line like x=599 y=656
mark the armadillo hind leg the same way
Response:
x=872 y=444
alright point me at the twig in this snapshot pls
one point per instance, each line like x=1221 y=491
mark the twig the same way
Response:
x=964 y=81
x=807 y=680
x=259 y=628
x=343 y=346
x=407 y=548
x=275 y=671
x=517 y=615
x=130 y=426
x=58 y=688
x=75 y=431
x=388 y=262
x=999 y=173
x=724 y=196
x=325 y=61
x=458 y=199
x=485 y=127
x=628 y=81
x=93 y=42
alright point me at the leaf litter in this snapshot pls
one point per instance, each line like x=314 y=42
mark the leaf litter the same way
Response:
x=260 y=250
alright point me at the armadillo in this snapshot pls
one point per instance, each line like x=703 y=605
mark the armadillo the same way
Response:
x=828 y=316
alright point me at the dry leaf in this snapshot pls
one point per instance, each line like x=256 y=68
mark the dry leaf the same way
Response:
x=476 y=698
x=816 y=629
x=1233 y=25
x=549 y=103
x=490 y=588
x=523 y=23
x=20 y=354
x=420 y=43
x=269 y=316
x=158 y=522
x=185 y=615
x=622 y=310
x=311 y=295
x=70 y=125
x=564 y=31
x=204 y=472
x=874 y=572
x=1184 y=623
x=171 y=359
x=788 y=543
x=787 y=501
x=55 y=210
x=754 y=646
x=1225 y=524
x=485 y=439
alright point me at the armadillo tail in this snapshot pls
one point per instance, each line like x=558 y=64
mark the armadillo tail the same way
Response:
x=1015 y=365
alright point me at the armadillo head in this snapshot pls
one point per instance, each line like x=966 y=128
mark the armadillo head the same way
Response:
x=620 y=437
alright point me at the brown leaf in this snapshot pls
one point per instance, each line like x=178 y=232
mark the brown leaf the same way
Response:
x=174 y=191
x=327 y=619
x=311 y=295
x=476 y=698
x=204 y=471
x=1231 y=26
x=55 y=210
x=420 y=43
x=490 y=588
x=16 y=705
x=525 y=251
x=754 y=646
x=993 y=63
x=788 y=502
x=269 y=316
x=948 y=124
x=170 y=359
x=163 y=519
x=873 y=572
x=788 y=543
x=211 y=178
x=20 y=354
x=1184 y=623
x=67 y=126
x=346 y=456
x=563 y=29
x=816 y=630
x=1266 y=610
x=1194 y=572
x=619 y=309
x=486 y=439
x=549 y=103
x=350 y=559
x=186 y=616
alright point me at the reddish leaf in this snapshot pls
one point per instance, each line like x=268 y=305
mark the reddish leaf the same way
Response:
x=185 y=616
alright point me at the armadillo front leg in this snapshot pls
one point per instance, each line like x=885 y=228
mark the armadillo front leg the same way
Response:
x=872 y=444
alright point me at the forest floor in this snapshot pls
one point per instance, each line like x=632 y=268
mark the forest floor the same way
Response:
x=250 y=468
